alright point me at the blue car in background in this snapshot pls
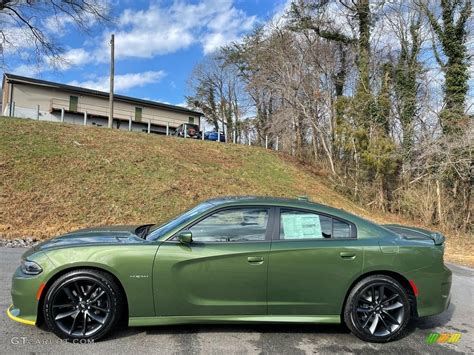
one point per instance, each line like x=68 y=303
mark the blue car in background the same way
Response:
x=213 y=136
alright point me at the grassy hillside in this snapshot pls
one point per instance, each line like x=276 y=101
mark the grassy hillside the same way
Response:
x=58 y=177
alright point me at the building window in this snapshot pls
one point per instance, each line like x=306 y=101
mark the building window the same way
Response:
x=138 y=114
x=191 y=120
x=73 y=103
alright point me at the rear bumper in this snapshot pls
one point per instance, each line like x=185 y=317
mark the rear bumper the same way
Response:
x=434 y=291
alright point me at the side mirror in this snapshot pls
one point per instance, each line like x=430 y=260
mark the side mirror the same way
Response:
x=185 y=237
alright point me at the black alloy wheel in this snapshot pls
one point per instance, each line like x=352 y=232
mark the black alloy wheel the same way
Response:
x=82 y=304
x=377 y=309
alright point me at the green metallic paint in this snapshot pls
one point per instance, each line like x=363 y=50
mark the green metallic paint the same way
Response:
x=149 y=321
x=131 y=264
x=298 y=285
x=210 y=279
x=167 y=282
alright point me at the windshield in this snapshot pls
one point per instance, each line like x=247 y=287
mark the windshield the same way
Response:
x=159 y=230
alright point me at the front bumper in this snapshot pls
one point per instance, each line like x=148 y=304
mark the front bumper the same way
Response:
x=13 y=313
x=24 y=291
x=27 y=289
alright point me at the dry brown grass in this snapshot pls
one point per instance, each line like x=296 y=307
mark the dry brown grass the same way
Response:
x=58 y=177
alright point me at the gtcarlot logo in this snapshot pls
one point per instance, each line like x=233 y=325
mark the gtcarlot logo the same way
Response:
x=38 y=341
x=440 y=338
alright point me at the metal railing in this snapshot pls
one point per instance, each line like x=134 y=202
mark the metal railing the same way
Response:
x=98 y=110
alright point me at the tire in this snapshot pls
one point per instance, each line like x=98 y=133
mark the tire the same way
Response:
x=82 y=305
x=373 y=319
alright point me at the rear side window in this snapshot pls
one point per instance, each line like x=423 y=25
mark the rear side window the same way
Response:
x=295 y=225
x=340 y=229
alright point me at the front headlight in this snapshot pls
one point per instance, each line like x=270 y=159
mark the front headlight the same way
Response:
x=30 y=267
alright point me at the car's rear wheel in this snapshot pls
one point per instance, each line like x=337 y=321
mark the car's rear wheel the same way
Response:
x=377 y=309
x=82 y=304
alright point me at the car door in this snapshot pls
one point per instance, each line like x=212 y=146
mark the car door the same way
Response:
x=314 y=258
x=223 y=271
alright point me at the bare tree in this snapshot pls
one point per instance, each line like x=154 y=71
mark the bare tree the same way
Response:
x=217 y=91
x=25 y=22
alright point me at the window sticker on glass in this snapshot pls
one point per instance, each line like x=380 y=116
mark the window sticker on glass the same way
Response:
x=301 y=226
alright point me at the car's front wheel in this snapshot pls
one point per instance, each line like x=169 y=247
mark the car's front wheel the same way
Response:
x=377 y=309
x=82 y=304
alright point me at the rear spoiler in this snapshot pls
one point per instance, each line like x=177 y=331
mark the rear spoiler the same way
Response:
x=416 y=233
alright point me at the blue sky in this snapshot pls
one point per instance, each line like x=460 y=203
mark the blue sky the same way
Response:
x=158 y=43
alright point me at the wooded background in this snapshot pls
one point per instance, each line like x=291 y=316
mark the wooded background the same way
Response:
x=375 y=94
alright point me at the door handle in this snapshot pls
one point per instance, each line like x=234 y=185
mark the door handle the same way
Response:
x=255 y=259
x=347 y=255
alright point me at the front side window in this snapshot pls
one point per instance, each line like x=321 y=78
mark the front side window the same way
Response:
x=157 y=231
x=307 y=225
x=232 y=225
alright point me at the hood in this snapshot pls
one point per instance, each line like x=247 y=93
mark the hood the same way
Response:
x=414 y=233
x=98 y=235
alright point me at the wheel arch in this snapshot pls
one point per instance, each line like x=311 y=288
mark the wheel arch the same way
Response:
x=55 y=276
x=395 y=275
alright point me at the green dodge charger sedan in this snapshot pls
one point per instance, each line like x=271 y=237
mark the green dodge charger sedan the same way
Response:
x=236 y=260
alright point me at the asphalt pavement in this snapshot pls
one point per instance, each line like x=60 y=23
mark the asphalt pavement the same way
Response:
x=244 y=339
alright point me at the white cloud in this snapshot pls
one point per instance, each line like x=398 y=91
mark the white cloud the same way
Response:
x=58 y=24
x=72 y=57
x=27 y=69
x=225 y=27
x=161 y=30
x=63 y=22
x=280 y=12
x=75 y=57
x=163 y=101
x=122 y=82
x=15 y=39
x=182 y=104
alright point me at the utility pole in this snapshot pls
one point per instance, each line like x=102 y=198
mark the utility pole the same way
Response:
x=112 y=69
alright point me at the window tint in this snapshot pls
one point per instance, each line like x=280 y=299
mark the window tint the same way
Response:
x=307 y=225
x=159 y=230
x=233 y=225
x=340 y=229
